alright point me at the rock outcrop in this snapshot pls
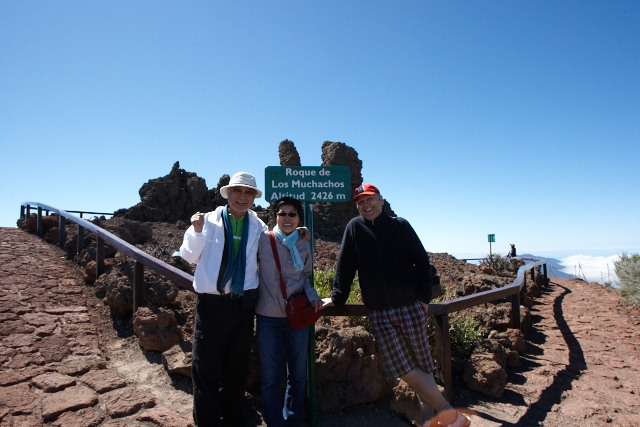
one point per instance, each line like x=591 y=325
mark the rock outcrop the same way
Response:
x=156 y=328
x=173 y=197
x=176 y=196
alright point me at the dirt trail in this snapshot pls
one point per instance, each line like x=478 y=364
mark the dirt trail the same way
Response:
x=582 y=364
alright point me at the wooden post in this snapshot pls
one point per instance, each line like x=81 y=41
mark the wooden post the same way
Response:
x=515 y=310
x=99 y=256
x=544 y=272
x=138 y=285
x=61 y=235
x=443 y=353
x=22 y=213
x=39 y=222
x=80 y=241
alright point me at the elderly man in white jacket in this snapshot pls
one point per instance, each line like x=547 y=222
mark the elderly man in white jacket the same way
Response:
x=224 y=244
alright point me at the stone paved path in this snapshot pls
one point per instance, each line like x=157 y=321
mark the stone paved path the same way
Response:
x=582 y=364
x=52 y=371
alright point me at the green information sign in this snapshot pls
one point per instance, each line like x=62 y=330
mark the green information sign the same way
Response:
x=492 y=238
x=308 y=183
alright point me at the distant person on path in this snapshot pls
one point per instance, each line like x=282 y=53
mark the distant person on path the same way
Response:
x=273 y=329
x=512 y=251
x=224 y=244
x=395 y=280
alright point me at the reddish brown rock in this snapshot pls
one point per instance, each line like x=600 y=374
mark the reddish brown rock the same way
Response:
x=128 y=401
x=163 y=417
x=20 y=340
x=39 y=319
x=347 y=365
x=103 y=380
x=69 y=399
x=156 y=328
x=88 y=417
x=482 y=373
x=52 y=381
x=78 y=365
x=47 y=330
x=12 y=327
x=176 y=361
x=18 y=398
x=15 y=376
x=405 y=401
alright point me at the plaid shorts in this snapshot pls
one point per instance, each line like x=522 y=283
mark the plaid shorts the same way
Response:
x=401 y=335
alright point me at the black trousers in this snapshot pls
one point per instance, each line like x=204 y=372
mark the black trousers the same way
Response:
x=220 y=359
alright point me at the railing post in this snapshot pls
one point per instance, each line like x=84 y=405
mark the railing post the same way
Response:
x=533 y=275
x=39 y=222
x=22 y=212
x=138 y=285
x=80 y=242
x=443 y=353
x=99 y=256
x=546 y=278
x=26 y=216
x=515 y=310
x=61 y=235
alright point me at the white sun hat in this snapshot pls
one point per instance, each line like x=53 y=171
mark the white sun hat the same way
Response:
x=241 y=179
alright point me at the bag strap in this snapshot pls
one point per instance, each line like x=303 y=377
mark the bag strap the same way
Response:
x=277 y=259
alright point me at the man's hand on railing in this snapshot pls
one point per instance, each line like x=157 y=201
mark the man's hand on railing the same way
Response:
x=326 y=302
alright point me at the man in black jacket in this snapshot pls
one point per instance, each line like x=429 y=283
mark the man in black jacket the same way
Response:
x=395 y=279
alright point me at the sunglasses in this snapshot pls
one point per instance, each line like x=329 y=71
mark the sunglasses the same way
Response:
x=289 y=214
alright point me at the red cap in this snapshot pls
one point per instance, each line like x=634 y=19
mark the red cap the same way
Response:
x=365 y=189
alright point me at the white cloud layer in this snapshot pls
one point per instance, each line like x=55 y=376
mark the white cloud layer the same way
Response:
x=599 y=269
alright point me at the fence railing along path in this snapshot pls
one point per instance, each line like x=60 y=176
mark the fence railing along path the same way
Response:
x=440 y=310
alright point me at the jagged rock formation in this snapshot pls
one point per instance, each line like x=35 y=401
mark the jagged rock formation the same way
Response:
x=288 y=154
x=174 y=197
x=330 y=218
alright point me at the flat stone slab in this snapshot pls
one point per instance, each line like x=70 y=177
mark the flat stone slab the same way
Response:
x=103 y=381
x=69 y=399
x=53 y=381
x=128 y=401
x=18 y=398
x=164 y=417
x=78 y=365
x=88 y=417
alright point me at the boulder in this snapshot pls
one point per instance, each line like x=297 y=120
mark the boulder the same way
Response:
x=156 y=328
x=483 y=374
x=347 y=366
x=177 y=361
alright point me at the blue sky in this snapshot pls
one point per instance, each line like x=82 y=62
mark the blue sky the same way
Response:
x=520 y=119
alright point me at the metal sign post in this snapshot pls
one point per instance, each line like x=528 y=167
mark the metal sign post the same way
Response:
x=492 y=239
x=309 y=184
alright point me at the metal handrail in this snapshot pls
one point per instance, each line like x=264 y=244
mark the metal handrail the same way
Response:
x=141 y=258
x=440 y=310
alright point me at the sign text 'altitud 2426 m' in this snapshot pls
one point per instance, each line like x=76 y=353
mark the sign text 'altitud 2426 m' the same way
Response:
x=308 y=183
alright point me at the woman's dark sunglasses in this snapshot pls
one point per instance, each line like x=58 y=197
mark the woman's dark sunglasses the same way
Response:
x=290 y=214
